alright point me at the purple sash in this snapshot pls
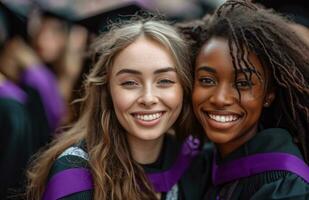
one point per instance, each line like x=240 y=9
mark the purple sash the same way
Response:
x=75 y=180
x=259 y=163
x=164 y=181
x=68 y=182
x=42 y=80
x=10 y=90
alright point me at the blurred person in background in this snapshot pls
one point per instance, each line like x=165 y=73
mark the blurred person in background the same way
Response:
x=61 y=46
x=16 y=146
x=31 y=105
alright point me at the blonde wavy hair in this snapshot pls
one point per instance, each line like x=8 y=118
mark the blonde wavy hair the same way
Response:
x=115 y=174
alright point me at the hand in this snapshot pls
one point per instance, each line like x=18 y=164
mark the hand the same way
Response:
x=2 y=78
x=24 y=55
x=16 y=57
x=8 y=64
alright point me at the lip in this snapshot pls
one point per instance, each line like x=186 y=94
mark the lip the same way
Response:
x=222 y=120
x=144 y=118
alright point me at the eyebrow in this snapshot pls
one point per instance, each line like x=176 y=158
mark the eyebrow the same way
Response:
x=246 y=70
x=132 y=71
x=128 y=71
x=163 y=70
x=207 y=69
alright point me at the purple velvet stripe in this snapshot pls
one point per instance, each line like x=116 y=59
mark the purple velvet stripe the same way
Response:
x=10 y=90
x=164 y=181
x=259 y=163
x=41 y=79
x=68 y=182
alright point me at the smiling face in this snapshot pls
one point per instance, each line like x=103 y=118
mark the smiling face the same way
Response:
x=145 y=90
x=228 y=119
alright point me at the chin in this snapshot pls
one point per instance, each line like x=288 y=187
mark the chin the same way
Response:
x=218 y=138
x=148 y=136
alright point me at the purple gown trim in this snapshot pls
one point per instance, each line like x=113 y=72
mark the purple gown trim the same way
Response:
x=10 y=90
x=259 y=163
x=164 y=181
x=76 y=180
x=68 y=182
x=41 y=79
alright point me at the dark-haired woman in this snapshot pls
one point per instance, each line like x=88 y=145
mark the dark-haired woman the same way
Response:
x=251 y=96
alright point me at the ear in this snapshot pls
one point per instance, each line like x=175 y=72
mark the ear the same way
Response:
x=269 y=98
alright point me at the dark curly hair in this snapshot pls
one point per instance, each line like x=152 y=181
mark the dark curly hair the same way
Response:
x=248 y=26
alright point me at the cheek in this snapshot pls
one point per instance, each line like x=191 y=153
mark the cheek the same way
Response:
x=254 y=95
x=119 y=105
x=198 y=96
x=253 y=107
x=121 y=99
x=173 y=98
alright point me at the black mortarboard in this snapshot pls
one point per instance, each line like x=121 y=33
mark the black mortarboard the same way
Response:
x=94 y=22
x=64 y=14
x=98 y=22
x=297 y=10
x=12 y=22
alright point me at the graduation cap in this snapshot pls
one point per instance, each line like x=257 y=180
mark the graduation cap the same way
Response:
x=64 y=15
x=11 y=23
x=99 y=22
x=297 y=10
x=94 y=22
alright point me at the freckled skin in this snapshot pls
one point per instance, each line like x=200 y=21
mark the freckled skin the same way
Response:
x=215 y=92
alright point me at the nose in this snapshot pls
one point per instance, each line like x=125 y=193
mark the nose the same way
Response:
x=223 y=96
x=148 y=97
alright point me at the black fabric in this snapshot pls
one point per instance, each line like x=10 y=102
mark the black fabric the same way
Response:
x=15 y=146
x=267 y=185
x=191 y=186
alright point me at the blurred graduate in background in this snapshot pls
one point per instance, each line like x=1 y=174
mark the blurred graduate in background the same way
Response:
x=31 y=105
x=42 y=57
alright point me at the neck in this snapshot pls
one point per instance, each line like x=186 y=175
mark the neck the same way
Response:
x=227 y=148
x=145 y=151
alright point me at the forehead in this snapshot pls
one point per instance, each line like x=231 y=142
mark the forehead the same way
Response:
x=216 y=53
x=143 y=54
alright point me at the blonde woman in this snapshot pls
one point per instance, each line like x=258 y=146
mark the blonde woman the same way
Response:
x=120 y=148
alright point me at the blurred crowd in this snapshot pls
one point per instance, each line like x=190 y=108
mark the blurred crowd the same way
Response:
x=44 y=47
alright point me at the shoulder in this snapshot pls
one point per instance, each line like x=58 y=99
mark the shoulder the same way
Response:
x=289 y=186
x=11 y=107
x=72 y=157
x=14 y=119
x=71 y=169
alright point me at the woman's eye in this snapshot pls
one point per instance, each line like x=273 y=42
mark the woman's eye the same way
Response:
x=243 y=84
x=129 y=83
x=165 y=82
x=206 y=81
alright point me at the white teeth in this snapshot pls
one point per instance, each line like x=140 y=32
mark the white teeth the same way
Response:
x=223 y=118
x=148 y=117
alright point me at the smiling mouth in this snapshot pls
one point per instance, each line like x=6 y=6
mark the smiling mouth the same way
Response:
x=223 y=118
x=148 y=117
